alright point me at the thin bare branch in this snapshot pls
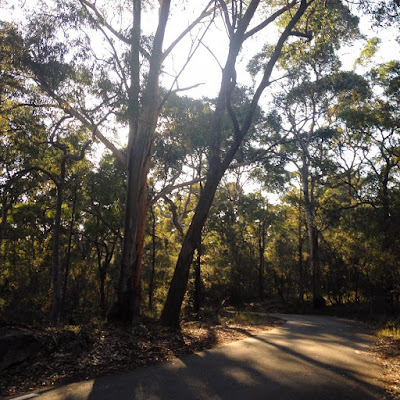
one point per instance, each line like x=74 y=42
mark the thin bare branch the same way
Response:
x=116 y=57
x=213 y=55
x=204 y=14
x=176 y=91
x=225 y=11
x=270 y=19
x=103 y=21
x=190 y=56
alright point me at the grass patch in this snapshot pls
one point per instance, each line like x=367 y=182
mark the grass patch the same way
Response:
x=390 y=328
x=242 y=318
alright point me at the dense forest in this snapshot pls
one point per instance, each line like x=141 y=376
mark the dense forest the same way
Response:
x=123 y=195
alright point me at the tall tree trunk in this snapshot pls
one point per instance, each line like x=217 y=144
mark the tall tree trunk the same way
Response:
x=300 y=255
x=197 y=282
x=318 y=300
x=177 y=289
x=68 y=258
x=127 y=305
x=198 y=287
x=3 y=226
x=217 y=167
x=56 y=264
x=261 y=265
x=387 y=241
x=153 y=259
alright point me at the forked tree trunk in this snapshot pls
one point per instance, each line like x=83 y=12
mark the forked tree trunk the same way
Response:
x=217 y=166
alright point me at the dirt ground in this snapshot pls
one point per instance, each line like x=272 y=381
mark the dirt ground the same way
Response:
x=387 y=351
x=78 y=353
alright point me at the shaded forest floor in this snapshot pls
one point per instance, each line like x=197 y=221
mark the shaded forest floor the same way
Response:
x=387 y=351
x=75 y=353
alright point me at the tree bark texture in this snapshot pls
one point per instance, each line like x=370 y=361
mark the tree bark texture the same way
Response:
x=142 y=127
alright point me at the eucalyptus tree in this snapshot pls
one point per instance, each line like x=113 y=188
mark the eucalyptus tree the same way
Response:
x=305 y=109
x=103 y=221
x=108 y=73
x=296 y=20
x=117 y=81
x=375 y=127
x=68 y=153
x=34 y=155
x=312 y=88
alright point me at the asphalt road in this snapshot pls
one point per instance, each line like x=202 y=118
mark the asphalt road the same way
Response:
x=310 y=357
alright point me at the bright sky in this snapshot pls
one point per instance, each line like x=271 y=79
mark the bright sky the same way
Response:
x=203 y=68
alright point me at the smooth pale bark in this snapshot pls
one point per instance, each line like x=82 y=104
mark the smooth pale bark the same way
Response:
x=141 y=137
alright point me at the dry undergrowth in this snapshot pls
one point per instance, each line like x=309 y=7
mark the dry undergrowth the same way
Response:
x=387 y=351
x=79 y=353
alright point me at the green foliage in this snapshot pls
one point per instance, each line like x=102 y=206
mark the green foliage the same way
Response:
x=368 y=52
x=339 y=130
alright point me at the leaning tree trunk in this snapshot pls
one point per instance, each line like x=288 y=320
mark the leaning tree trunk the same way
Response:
x=217 y=167
x=176 y=293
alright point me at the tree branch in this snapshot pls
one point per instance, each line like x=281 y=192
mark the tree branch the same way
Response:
x=168 y=189
x=78 y=157
x=204 y=13
x=75 y=113
x=103 y=21
x=272 y=18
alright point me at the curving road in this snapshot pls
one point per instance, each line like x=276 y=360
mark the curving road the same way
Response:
x=309 y=357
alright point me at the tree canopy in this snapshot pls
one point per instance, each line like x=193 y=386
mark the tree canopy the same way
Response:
x=123 y=195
